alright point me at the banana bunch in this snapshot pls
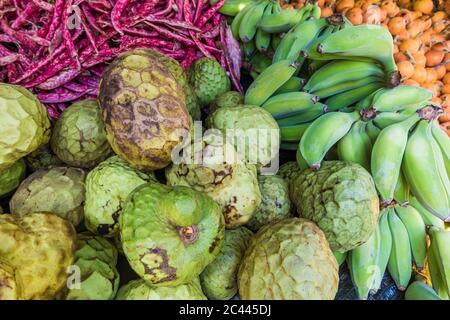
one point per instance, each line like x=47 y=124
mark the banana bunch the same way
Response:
x=419 y=290
x=439 y=261
x=398 y=241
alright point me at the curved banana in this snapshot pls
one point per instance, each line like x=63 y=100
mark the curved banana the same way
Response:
x=287 y=104
x=293 y=133
x=323 y=133
x=370 y=41
x=439 y=261
x=250 y=21
x=387 y=156
x=262 y=38
x=276 y=40
x=269 y=81
x=443 y=140
x=428 y=218
x=356 y=146
x=300 y=160
x=402 y=190
x=400 y=259
x=236 y=24
x=340 y=257
x=345 y=86
x=424 y=169
x=420 y=291
x=416 y=232
x=397 y=98
x=372 y=131
x=385 y=119
x=290 y=146
x=385 y=248
x=362 y=261
x=294 y=84
x=248 y=49
x=349 y=98
x=233 y=7
x=341 y=71
x=366 y=103
x=304 y=117
x=282 y=21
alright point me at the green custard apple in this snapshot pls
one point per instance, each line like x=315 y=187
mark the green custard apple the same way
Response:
x=59 y=190
x=252 y=130
x=208 y=79
x=79 y=137
x=219 y=279
x=95 y=276
x=341 y=198
x=35 y=253
x=42 y=158
x=289 y=170
x=225 y=100
x=275 y=204
x=288 y=260
x=107 y=187
x=24 y=124
x=170 y=234
x=140 y=290
x=11 y=177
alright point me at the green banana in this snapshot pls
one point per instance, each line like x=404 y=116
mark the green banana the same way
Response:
x=428 y=218
x=442 y=139
x=259 y=62
x=440 y=261
x=362 y=261
x=287 y=104
x=262 y=38
x=385 y=119
x=290 y=146
x=236 y=24
x=304 y=117
x=323 y=133
x=384 y=248
x=345 y=86
x=276 y=40
x=397 y=98
x=386 y=166
x=294 y=84
x=372 y=131
x=340 y=257
x=369 y=41
x=233 y=7
x=341 y=71
x=424 y=169
x=282 y=21
x=402 y=191
x=416 y=232
x=269 y=81
x=314 y=65
x=249 y=24
x=420 y=291
x=366 y=103
x=356 y=146
x=293 y=133
x=300 y=160
x=400 y=259
x=284 y=46
x=348 y=98
x=248 y=49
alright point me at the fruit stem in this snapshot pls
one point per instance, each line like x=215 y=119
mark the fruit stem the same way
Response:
x=188 y=234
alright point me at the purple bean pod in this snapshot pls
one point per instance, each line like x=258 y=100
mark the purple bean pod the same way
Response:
x=210 y=13
x=59 y=80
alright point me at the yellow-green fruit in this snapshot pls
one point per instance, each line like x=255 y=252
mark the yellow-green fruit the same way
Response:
x=252 y=130
x=144 y=110
x=79 y=136
x=228 y=99
x=107 y=187
x=35 y=253
x=289 y=170
x=219 y=279
x=170 y=234
x=139 y=290
x=58 y=190
x=275 y=203
x=97 y=279
x=288 y=260
x=24 y=124
x=11 y=177
x=342 y=200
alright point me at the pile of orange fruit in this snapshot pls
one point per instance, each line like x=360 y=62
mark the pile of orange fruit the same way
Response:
x=420 y=30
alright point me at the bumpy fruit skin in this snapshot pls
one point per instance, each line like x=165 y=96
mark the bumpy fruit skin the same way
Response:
x=288 y=260
x=11 y=177
x=42 y=158
x=96 y=260
x=79 y=136
x=170 y=234
x=219 y=279
x=35 y=252
x=59 y=190
x=24 y=124
x=228 y=99
x=180 y=75
x=289 y=170
x=144 y=109
x=233 y=184
x=254 y=132
x=275 y=204
x=342 y=200
x=139 y=290
x=208 y=79
x=107 y=187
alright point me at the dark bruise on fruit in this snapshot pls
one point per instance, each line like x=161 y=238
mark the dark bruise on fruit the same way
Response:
x=156 y=265
x=144 y=109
